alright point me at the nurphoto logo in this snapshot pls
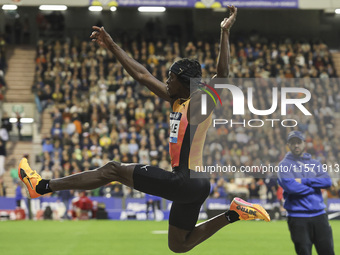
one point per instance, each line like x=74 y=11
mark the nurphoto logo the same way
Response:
x=283 y=97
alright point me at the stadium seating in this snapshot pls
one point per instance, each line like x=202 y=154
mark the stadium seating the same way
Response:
x=99 y=113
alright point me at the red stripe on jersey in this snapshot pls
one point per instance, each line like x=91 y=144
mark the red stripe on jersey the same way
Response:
x=177 y=136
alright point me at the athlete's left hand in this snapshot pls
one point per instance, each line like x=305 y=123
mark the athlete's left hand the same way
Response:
x=227 y=23
x=100 y=36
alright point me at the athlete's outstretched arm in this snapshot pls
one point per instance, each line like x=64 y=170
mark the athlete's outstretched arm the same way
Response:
x=224 y=52
x=135 y=69
x=222 y=68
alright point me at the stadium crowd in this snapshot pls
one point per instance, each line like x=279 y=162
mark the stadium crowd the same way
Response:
x=3 y=130
x=100 y=113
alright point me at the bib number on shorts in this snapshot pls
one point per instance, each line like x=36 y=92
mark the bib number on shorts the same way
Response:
x=175 y=118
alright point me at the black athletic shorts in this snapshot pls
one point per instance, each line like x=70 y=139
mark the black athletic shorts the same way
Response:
x=188 y=194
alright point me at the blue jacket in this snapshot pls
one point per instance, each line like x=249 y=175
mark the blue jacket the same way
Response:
x=303 y=199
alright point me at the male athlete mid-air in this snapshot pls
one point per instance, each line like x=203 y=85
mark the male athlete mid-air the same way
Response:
x=186 y=144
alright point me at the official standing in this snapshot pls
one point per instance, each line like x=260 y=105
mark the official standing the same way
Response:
x=302 y=179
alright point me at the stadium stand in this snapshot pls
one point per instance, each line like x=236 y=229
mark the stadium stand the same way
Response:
x=92 y=111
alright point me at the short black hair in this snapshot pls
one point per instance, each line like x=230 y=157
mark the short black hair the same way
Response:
x=186 y=69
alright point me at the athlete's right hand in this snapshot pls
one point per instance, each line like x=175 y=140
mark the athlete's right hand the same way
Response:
x=227 y=23
x=100 y=36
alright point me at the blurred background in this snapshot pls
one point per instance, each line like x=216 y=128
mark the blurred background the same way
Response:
x=68 y=106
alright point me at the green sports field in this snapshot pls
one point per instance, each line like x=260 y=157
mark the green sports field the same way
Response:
x=140 y=237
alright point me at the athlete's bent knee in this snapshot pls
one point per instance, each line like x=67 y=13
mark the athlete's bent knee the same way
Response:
x=109 y=171
x=179 y=248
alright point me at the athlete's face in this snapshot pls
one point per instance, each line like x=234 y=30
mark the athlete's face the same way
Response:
x=174 y=86
x=296 y=146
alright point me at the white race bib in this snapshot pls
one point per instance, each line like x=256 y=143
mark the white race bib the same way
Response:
x=175 y=119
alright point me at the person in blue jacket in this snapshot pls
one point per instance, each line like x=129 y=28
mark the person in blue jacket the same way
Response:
x=302 y=179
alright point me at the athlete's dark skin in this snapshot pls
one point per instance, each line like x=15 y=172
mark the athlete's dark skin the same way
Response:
x=179 y=240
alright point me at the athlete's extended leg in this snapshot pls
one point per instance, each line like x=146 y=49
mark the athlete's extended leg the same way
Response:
x=112 y=171
x=182 y=239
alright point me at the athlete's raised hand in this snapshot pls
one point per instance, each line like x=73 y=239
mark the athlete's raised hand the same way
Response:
x=100 y=36
x=227 y=23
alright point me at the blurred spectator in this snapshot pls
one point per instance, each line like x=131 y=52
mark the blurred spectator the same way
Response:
x=220 y=189
x=46 y=173
x=253 y=189
x=47 y=145
x=2 y=187
x=5 y=122
x=2 y=158
x=117 y=190
x=56 y=131
x=271 y=185
x=65 y=196
x=18 y=194
x=19 y=125
x=154 y=203
x=82 y=207
x=4 y=134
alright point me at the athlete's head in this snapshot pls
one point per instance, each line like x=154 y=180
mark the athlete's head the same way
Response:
x=180 y=74
x=296 y=142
